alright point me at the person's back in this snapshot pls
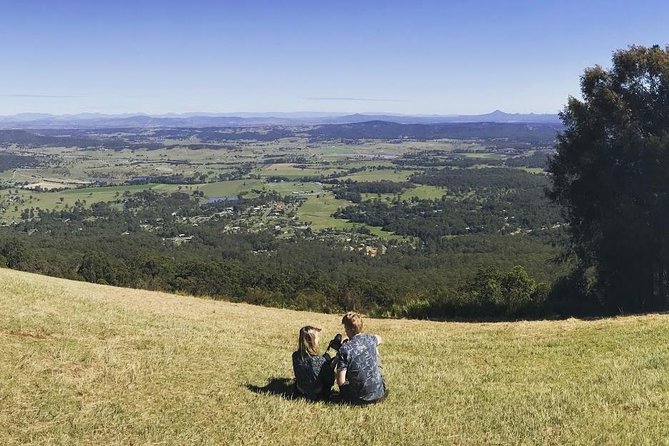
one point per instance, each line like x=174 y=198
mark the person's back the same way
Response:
x=360 y=358
x=314 y=373
x=359 y=371
x=309 y=374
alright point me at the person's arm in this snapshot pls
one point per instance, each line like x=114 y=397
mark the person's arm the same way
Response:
x=341 y=377
x=378 y=339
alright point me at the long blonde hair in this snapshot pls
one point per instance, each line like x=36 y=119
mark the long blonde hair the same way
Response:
x=307 y=342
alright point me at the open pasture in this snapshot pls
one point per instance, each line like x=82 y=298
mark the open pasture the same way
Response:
x=424 y=192
x=379 y=175
x=91 y=364
x=295 y=188
x=317 y=211
x=16 y=200
x=293 y=171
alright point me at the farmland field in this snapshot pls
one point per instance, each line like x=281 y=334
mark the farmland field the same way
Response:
x=424 y=192
x=381 y=174
x=238 y=211
x=71 y=175
x=317 y=211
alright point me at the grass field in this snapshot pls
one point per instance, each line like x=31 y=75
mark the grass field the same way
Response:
x=378 y=175
x=290 y=171
x=290 y=187
x=89 y=364
x=318 y=210
x=424 y=192
x=60 y=199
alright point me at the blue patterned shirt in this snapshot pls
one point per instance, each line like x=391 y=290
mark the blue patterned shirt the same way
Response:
x=360 y=357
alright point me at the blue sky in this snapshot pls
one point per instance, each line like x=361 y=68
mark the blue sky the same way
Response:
x=414 y=57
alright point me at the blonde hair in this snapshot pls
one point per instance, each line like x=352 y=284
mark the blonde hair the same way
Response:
x=353 y=322
x=307 y=342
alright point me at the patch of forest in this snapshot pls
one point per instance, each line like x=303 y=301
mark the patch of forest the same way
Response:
x=135 y=245
x=475 y=201
x=442 y=158
x=9 y=161
x=536 y=134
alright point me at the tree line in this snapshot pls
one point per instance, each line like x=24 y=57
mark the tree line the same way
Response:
x=134 y=246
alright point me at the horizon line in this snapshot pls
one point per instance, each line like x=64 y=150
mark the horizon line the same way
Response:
x=266 y=114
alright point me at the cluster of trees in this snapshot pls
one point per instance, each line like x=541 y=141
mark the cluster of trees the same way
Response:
x=430 y=220
x=134 y=247
x=464 y=180
x=169 y=179
x=9 y=161
x=351 y=190
x=505 y=133
x=538 y=159
x=610 y=175
x=490 y=293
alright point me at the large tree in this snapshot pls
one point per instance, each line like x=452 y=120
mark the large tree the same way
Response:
x=611 y=175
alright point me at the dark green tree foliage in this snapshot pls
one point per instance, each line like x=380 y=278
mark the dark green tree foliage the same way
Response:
x=611 y=175
x=135 y=247
x=13 y=253
x=490 y=293
x=101 y=268
x=10 y=161
x=505 y=200
x=464 y=180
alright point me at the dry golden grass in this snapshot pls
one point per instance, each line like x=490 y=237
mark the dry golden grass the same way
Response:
x=85 y=364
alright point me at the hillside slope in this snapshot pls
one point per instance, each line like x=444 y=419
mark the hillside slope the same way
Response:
x=89 y=364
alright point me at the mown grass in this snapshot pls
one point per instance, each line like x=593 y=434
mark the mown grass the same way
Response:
x=88 y=364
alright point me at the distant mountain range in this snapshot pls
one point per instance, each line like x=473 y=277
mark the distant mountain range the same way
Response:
x=187 y=120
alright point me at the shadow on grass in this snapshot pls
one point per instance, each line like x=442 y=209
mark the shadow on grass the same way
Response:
x=283 y=387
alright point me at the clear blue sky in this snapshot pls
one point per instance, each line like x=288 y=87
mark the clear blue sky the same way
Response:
x=417 y=57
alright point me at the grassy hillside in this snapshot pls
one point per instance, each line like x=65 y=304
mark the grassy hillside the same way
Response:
x=88 y=364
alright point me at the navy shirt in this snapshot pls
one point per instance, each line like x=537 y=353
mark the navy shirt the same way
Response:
x=360 y=357
x=308 y=371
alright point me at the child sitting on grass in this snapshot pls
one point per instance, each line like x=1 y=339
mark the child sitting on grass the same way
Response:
x=314 y=373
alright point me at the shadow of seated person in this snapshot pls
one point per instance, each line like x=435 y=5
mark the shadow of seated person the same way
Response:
x=283 y=387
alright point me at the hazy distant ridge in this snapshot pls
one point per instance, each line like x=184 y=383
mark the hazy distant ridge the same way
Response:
x=94 y=120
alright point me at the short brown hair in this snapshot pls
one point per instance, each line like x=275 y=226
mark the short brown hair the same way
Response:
x=352 y=321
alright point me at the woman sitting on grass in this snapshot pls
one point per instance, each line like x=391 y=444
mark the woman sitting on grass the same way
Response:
x=314 y=374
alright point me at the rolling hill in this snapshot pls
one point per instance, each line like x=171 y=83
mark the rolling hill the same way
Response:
x=189 y=120
x=91 y=364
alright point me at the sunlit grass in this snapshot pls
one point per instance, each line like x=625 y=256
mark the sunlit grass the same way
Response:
x=292 y=171
x=317 y=211
x=424 y=192
x=378 y=175
x=87 y=364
